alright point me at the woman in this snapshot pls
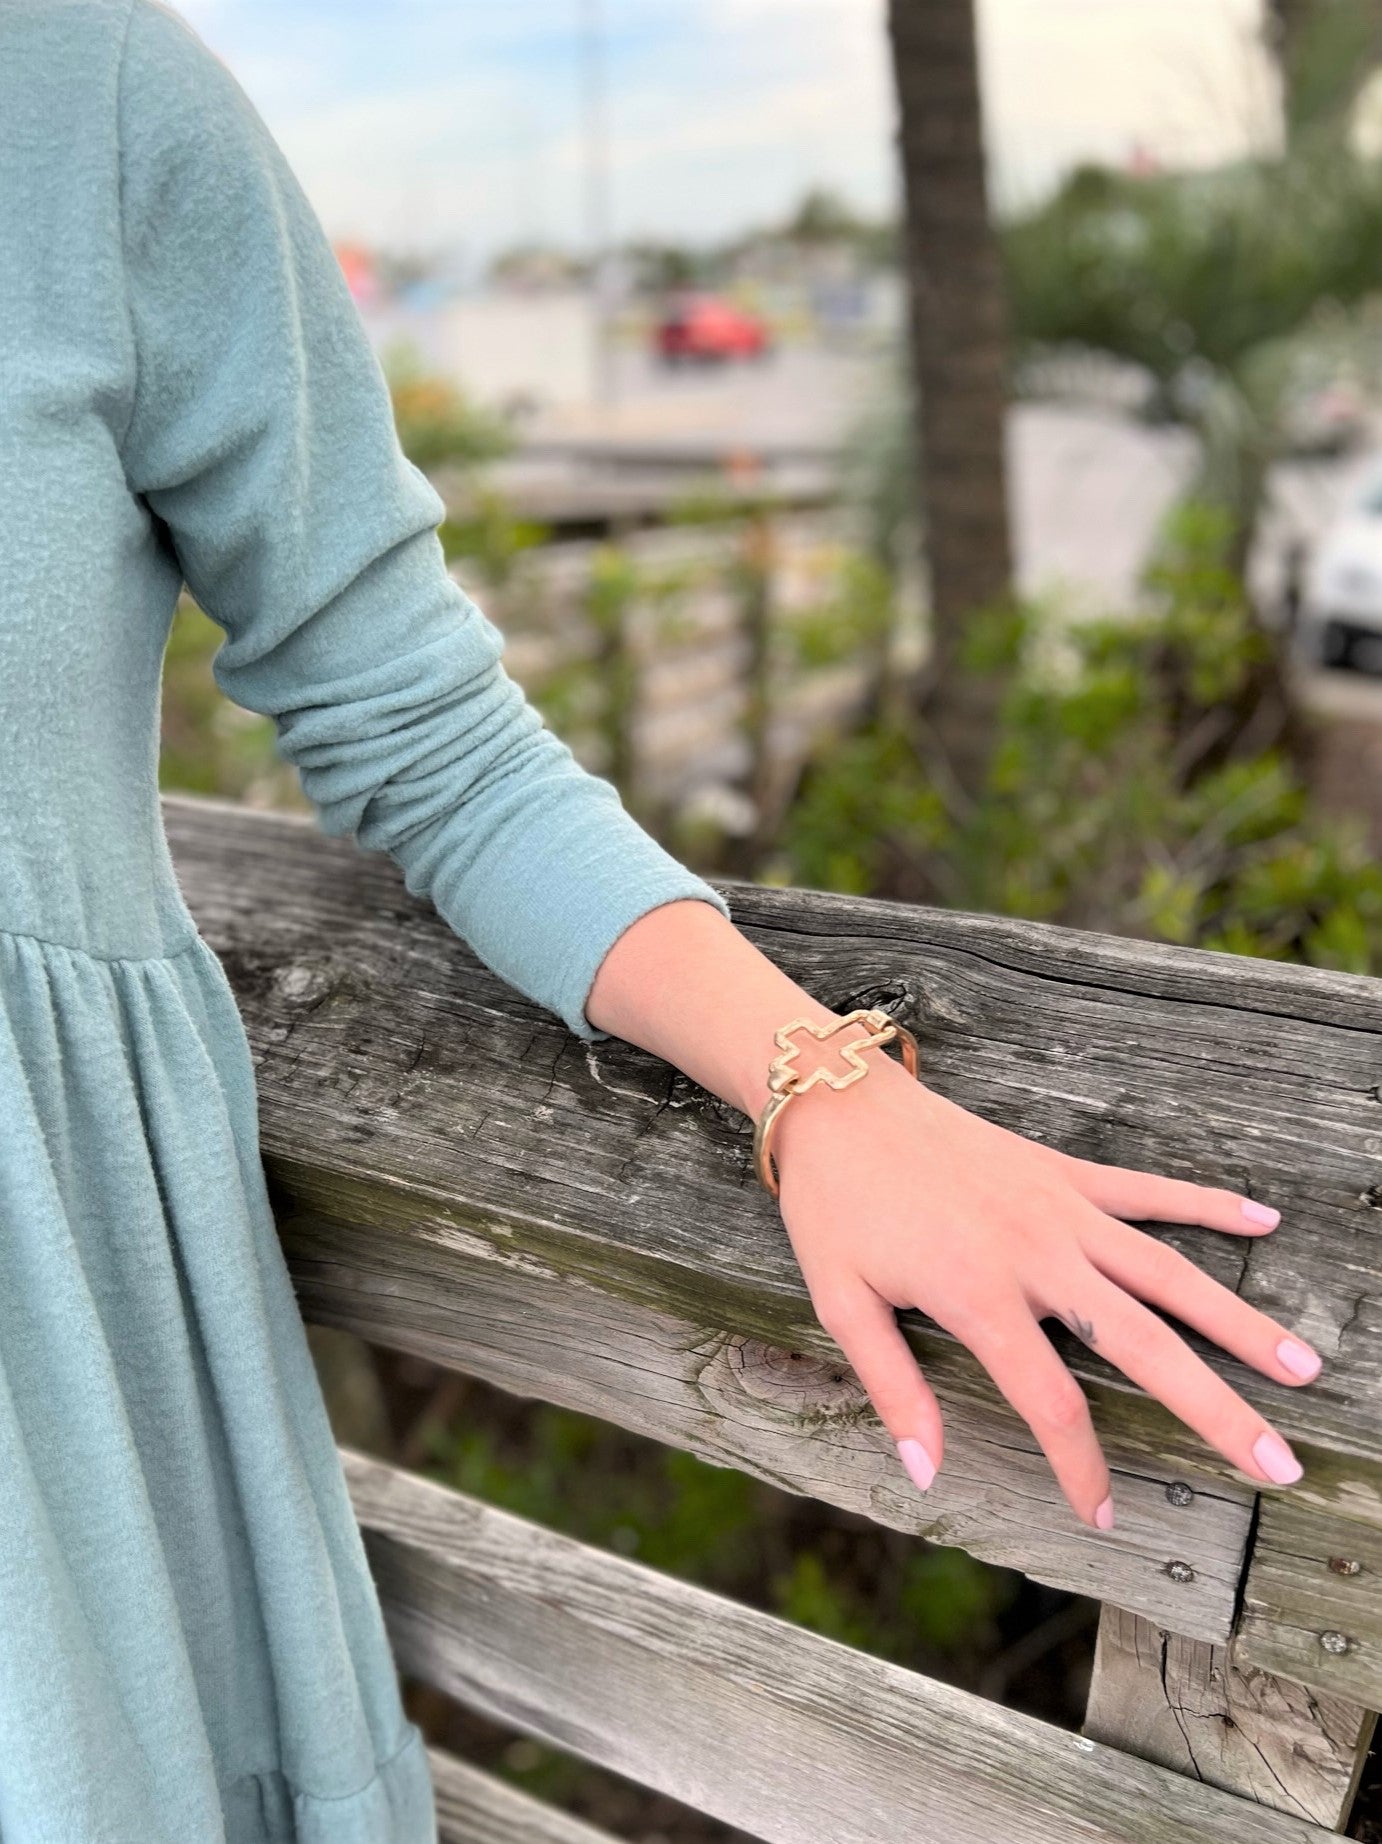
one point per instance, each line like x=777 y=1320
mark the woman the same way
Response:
x=191 y=1651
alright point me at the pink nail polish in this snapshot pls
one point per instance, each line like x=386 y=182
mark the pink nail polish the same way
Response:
x=1276 y=1459
x=1299 y=1359
x=918 y=1463
x=1103 y=1517
x=1261 y=1213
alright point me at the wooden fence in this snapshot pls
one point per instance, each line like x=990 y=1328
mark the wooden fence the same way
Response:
x=691 y=664
x=457 y=1176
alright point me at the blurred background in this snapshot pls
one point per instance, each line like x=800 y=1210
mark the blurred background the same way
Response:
x=925 y=448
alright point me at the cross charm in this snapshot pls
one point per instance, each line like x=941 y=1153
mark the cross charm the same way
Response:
x=784 y=1079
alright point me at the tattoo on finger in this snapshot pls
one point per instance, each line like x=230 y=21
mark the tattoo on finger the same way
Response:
x=1082 y=1328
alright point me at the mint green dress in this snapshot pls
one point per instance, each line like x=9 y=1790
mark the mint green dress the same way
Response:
x=191 y=1648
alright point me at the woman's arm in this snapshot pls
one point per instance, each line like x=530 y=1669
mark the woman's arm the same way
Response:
x=256 y=424
x=257 y=427
x=894 y=1197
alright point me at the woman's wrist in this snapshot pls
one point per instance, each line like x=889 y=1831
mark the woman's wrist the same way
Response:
x=831 y=1118
x=683 y=982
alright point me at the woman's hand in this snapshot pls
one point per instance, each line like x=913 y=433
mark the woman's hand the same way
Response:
x=893 y=1197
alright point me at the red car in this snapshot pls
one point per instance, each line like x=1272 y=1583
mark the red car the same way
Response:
x=711 y=330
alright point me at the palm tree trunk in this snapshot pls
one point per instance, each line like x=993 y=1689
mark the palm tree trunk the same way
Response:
x=959 y=353
x=1285 y=23
x=1326 y=51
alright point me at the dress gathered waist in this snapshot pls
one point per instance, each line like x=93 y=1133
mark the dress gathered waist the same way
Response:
x=187 y=946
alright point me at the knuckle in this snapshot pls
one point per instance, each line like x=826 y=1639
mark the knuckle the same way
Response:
x=987 y=1319
x=1047 y=1199
x=1064 y=1408
x=1164 y=1264
x=1052 y=1159
x=1131 y=1334
x=1070 y=1165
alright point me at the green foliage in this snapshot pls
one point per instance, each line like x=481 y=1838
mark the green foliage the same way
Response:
x=854 y=613
x=597 y=690
x=828 y=1603
x=1113 y=801
x=210 y=745
x=436 y=422
x=1179 y=271
x=949 y=1601
x=491 y=536
x=914 y=1602
x=675 y=1513
x=938 y=1599
x=1235 y=292
x=869 y=796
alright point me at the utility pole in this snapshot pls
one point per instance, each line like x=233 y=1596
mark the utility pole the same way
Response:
x=597 y=195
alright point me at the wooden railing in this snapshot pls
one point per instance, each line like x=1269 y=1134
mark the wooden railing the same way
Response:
x=457 y=1176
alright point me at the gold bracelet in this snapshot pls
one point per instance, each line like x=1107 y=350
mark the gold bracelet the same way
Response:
x=785 y=1082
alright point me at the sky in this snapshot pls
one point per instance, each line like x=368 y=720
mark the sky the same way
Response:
x=458 y=125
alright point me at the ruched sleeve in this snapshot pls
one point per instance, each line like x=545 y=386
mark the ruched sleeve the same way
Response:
x=260 y=432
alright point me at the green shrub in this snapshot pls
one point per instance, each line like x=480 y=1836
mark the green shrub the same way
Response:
x=1124 y=792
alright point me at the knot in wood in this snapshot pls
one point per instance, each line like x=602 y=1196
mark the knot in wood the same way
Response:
x=798 y=1381
x=1180 y=1571
x=1179 y=1493
x=301 y=985
x=1334 y=1642
x=1345 y=1565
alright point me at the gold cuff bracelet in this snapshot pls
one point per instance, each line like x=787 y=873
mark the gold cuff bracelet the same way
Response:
x=785 y=1082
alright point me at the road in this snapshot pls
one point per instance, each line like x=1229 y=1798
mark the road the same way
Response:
x=1088 y=485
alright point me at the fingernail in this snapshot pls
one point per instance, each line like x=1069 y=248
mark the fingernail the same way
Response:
x=1103 y=1517
x=1276 y=1459
x=1261 y=1213
x=918 y=1463
x=1299 y=1359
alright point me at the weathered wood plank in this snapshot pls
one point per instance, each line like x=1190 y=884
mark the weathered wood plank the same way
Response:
x=800 y=1419
x=381 y=1041
x=475 y=1808
x=1187 y=1706
x=1312 y=1605
x=652 y=1677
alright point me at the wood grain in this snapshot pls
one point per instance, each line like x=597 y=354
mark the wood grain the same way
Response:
x=381 y=1042
x=455 y=1173
x=1312 y=1601
x=475 y=1808
x=793 y=1737
x=1189 y=1706
x=797 y=1419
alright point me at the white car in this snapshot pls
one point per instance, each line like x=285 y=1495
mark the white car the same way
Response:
x=1339 y=619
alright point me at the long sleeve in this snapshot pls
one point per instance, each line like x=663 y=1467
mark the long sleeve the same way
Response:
x=261 y=433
